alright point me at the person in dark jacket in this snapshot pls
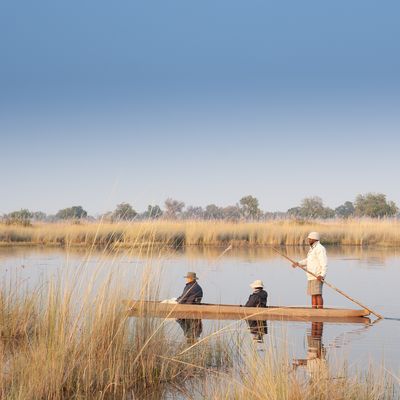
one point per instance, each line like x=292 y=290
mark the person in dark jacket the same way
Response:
x=192 y=293
x=257 y=299
x=259 y=296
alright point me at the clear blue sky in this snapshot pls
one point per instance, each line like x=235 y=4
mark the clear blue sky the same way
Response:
x=207 y=101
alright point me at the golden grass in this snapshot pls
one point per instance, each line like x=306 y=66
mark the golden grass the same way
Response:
x=358 y=232
x=267 y=373
x=59 y=343
x=270 y=377
x=71 y=338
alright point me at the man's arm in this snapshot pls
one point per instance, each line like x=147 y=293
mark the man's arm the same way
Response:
x=183 y=297
x=251 y=302
x=302 y=263
x=323 y=261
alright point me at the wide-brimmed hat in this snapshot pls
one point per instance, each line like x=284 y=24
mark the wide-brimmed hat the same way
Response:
x=313 y=236
x=257 y=284
x=191 y=275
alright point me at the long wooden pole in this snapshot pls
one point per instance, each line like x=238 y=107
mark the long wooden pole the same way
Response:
x=328 y=284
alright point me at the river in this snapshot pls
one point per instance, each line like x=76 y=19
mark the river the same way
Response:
x=371 y=275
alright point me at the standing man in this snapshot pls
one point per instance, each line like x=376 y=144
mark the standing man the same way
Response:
x=317 y=263
x=192 y=292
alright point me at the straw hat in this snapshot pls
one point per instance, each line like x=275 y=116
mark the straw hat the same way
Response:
x=257 y=284
x=191 y=275
x=314 y=236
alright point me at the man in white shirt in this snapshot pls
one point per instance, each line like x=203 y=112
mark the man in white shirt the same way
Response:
x=317 y=263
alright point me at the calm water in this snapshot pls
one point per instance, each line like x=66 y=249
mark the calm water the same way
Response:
x=370 y=275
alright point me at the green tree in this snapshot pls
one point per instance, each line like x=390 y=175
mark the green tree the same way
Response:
x=173 y=208
x=124 y=212
x=21 y=217
x=232 y=213
x=249 y=207
x=153 y=212
x=193 y=212
x=212 y=211
x=374 y=205
x=39 y=216
x=312 y=207
x=294 y=212
x=75 y=212
x=345 y=210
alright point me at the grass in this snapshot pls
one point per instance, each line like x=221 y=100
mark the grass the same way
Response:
x=267 y=373
x=70 y=338
x=270 y=377
x=358 y=232
x=57 y=342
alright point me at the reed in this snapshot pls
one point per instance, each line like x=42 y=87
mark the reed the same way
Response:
x=71 y=338
x=59 y=342
x=357 y=232
x=267 y=373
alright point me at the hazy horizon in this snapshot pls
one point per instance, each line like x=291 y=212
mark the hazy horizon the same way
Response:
x=162 y=206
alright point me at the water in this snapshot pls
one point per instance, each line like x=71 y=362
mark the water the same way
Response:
x=370 y=275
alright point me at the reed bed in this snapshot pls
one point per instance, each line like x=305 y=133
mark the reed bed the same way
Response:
x=270 y=377
x=356 y=232
x=71 y=338
x=57 y=342
x=266 y=372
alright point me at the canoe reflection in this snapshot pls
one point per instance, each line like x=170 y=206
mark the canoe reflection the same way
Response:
x=192 y=329
x=258 y=329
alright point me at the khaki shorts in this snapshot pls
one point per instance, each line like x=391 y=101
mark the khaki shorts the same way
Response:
x=314 y=287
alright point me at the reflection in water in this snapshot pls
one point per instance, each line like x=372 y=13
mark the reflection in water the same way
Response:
x=192 y=329
x=368 y=254
x=258 y=329
x=349 y=271
x=373 y=255
x=316 y=363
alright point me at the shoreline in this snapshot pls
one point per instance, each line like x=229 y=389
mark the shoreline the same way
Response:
x=160 y=246
x=179 y=234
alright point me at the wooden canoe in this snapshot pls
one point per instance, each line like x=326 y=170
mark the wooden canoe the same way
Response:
x=230 y=312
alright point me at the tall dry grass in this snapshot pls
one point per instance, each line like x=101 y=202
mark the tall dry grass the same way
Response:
x=267 y=373
x=358 y=232
x=71 y=338
x=59 y=342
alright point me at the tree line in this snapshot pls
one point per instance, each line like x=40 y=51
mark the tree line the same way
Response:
x=373 y=205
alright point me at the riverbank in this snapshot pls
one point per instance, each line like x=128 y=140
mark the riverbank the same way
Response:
x=356 y=232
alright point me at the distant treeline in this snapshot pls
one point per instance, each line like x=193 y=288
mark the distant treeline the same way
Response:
x=372 y=205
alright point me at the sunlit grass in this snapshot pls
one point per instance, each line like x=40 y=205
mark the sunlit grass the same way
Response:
x=75 y=340
x=357 y=232
x=71 y=338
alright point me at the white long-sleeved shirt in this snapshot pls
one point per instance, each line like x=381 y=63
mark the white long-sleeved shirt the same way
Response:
x=316 y=261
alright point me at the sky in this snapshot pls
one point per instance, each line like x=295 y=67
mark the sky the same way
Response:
x=205 y=102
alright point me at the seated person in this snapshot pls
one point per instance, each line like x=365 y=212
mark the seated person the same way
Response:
x=192 y=293
x=259 y=296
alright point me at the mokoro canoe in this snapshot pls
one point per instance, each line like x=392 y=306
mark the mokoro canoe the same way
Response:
x=224 y=312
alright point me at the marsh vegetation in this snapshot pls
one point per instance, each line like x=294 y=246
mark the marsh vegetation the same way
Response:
x=60 y=343
x=356 y=232
x=70 y=337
